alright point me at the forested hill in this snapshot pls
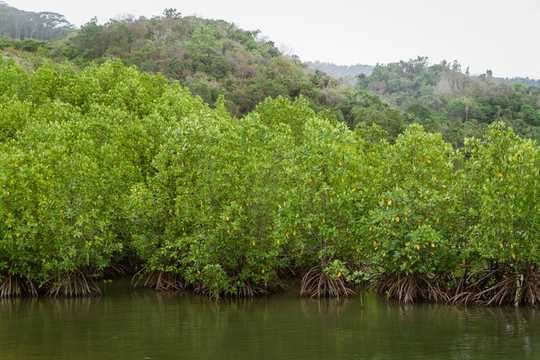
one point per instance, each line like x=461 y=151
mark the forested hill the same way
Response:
x=19 y=24
x=211 y=57
x=215 y=58
x=447 y=99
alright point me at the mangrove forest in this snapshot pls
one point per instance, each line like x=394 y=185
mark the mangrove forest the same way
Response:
x=108 y=171
x=189 y=155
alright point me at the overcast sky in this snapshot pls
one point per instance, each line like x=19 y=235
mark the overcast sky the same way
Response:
x=500 y=35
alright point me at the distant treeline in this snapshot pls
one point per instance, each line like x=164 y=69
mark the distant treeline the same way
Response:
x=524 y=81
x=349 y=72
x=19 y=24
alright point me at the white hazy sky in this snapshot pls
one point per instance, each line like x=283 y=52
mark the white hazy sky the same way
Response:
x=500 y=35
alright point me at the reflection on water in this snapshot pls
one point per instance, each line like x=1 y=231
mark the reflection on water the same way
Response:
x=145 y=325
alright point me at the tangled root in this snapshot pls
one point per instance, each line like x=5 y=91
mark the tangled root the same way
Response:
x=467 y=289
x=248 y=291
x=13 y=286
x=412 y=288
x=530 y=286
x=497 y=288
x=158 y=280
x=316 y=283
x=74 y=284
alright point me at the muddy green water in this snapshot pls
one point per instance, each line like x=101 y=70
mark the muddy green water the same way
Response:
x=142 y=325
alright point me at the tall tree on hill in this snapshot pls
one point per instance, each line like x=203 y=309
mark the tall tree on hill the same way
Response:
x=19 y=24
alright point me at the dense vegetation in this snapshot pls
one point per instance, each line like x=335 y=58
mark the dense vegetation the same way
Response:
x=205 y=160
x=212 y=58
x=19 y=24
x=110 y=169
x=215 y=58
x=448 y=100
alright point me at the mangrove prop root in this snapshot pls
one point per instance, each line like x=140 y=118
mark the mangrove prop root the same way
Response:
x=497 y=288
x=15 y=287
x=412 y=288
x=74 y=284
x=247 y=290
x=158 y=280
x=316 y=283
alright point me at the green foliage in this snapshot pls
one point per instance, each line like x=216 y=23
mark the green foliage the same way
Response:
x=207 y=215
x=444 y=99
x=319 y=216
x=14 y=115
x=69 y=159
x=366 y=108
x=504 y=173
x=414 y=228
x=60 y=201
x=280 y=111
x=106 y=162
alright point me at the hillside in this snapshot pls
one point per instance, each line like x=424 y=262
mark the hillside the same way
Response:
x=211 y=57
x=447 y=99
x=215 y=58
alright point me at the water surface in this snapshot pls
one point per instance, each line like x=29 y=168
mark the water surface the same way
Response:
x=143 y=325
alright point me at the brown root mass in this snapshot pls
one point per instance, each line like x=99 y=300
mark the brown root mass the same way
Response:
x=244 y=291
x=316 y=283
x=158 y=280
x=15 y=287
x=247 y=291
x=412 y=288
x=75 y=284
x=498 y=287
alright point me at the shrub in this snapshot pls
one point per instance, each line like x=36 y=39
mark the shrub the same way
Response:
x=503 y=173
x=412 y=233
x=60 y=200
x=206 y=217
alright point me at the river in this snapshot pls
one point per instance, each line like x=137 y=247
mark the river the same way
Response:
x=143 y=325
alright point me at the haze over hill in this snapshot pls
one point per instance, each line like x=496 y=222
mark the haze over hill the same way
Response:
x=346 y=72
